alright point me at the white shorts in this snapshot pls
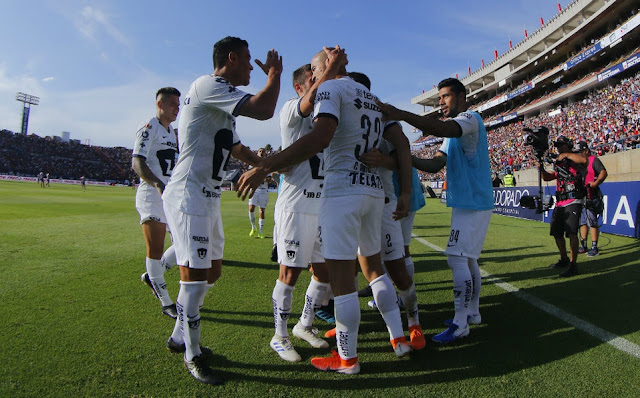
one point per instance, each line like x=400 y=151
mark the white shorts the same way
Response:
x=297 y=239
x=350 y=225
x=392 y=241
x=259 y=199
x=407 y=227
x=197 y=239
x=150 y=210
x=468 y=231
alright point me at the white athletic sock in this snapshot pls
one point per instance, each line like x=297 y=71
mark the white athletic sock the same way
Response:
x=260 y=225
x=168 y=259
x=188 y=304
x=206 y=290
x=252 y=219
x=387 y=302
x=462 y=286
x=282 y=297
x=474 y=303
x=408 y=262
x=313 y=300
x=155 y=271
x=410 y=301
x=347 y=313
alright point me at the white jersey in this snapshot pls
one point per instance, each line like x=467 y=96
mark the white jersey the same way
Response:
x=386 y=175
x=159 y=148
x=360 y=128
x=469 y=137
x=207 y=135
x=301 y=187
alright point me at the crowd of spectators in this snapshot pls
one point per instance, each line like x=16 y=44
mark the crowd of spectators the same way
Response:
x=28 y=155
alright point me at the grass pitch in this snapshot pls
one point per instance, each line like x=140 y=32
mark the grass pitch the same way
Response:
x=78 y=321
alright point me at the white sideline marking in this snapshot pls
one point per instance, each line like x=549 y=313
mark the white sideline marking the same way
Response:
x=616 y=341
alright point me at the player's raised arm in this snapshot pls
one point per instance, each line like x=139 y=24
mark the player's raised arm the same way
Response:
x=262 y=105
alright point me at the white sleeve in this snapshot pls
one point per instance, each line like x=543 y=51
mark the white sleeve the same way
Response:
x=144 y=138
x=220 y=94
x=470 y=129
x=328 y=100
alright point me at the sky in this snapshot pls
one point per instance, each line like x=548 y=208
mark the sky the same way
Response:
x=96 y=65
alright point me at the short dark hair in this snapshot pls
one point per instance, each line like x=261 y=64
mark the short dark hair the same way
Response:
x=223 y=47
x=455 y=85
x=167 y=91
x=299 y=75
x=361 y=78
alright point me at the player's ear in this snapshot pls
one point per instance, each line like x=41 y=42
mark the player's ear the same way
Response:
x=232 y=57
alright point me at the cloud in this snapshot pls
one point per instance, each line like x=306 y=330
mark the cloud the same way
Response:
x=48 y=79
x=91 y=21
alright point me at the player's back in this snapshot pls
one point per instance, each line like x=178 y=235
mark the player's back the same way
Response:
x=359 y=129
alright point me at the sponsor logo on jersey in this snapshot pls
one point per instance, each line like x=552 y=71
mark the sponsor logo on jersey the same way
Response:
x=311 y=195
x=145 y=134
x=323 y=96
x=389 y=251
x=200 y=239
x=210 y=194
x=202 y=253
x=291 y=254
x=365 y=179
x=358 y=103
x=292 y=242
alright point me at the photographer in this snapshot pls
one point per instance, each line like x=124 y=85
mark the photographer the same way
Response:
x=594 y=204
x=570 y=192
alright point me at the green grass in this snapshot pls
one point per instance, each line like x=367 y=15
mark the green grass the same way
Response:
x=78 y=321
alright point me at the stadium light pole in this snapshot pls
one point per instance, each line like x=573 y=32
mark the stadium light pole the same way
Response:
x=27 y=100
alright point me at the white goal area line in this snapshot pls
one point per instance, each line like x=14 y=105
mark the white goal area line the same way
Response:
x=616 y=341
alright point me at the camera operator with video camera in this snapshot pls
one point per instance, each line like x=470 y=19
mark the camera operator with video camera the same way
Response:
x=570 y=192
x=594 y=204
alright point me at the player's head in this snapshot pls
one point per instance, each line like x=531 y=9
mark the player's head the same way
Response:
x=319 y=64
x=168 y=103
x=452 y=97
x=232 y=60
x=302 y=79
x=361 y=78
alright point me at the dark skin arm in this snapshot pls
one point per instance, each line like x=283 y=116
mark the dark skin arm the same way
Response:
x=432 y=165
x=431 y=124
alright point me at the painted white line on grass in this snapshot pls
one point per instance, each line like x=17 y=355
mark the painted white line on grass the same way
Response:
x=616 y=341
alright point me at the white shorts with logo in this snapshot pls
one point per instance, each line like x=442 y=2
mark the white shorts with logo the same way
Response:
x=260 y=199
x=297 y=239
x=392 y=240
x=350 y=225
x=150 y=210
x=197 y=239
x=407 y=227
x=468 y=232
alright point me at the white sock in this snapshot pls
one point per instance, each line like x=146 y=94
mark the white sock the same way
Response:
x=282 y=297
x=187 y=305
x=410 y=301
x=252 y=219
x=347 y=313
x=387 y=302
x=408 y=262
x=155 y=271
x=168 y=259
x=260 y=225
x=462 y=287
x=474 y=269
x=313 y=300
x=206 y=290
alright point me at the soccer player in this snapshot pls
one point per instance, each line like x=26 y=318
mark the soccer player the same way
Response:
x=83 y=182
x=48 y=179
x=296 y=217
x=154 y=155
x=260 y=198
x=347 y=123
x=469 y=192
x=192 y=197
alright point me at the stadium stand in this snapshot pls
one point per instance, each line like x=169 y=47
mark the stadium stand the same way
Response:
x=577 y=74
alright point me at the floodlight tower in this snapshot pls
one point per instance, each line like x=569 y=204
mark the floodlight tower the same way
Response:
x=27 y=100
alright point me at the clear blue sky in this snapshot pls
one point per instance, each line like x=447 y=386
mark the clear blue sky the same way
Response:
x=96 y=64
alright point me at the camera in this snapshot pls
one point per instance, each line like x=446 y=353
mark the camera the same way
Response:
x=538 y=139
x=535 y=203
